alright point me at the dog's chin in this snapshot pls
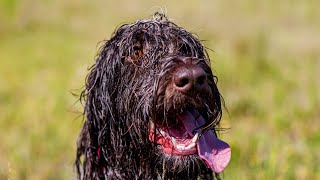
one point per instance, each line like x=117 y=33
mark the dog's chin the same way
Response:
x=179 y=163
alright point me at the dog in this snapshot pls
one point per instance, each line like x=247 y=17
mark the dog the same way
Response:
x=152 y=107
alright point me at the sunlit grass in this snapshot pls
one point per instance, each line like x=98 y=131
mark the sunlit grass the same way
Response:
x=266 y=55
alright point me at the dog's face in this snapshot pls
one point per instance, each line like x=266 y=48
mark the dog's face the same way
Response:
x=152 y=91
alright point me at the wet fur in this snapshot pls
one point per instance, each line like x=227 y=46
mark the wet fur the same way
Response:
x=122 y=95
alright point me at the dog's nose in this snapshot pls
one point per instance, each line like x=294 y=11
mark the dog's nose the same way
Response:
x=190 y=78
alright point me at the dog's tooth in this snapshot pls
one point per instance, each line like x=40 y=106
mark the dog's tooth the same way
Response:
x=151 y=124
x=195 y=138
x=181 y=147
x=162 y=132
x=174 y=142
x=191 y=145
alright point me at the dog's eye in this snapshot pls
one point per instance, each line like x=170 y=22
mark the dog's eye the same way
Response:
x=137 y=53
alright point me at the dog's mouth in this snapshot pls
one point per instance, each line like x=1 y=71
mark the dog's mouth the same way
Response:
x=174 y=140
x=185 y=139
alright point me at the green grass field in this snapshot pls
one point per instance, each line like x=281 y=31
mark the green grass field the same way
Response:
x=266 y=55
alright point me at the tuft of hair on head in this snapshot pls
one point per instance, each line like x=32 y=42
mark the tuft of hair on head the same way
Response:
x=160 y=16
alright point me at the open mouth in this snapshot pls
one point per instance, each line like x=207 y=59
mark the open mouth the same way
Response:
x=184 y=140
x=174 y=140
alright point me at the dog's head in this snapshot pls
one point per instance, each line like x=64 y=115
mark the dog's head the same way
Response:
x=151 y=94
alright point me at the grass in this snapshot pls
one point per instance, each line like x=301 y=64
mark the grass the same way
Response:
x=266 y=55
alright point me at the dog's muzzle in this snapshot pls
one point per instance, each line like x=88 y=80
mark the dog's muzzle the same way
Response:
x=188 y=80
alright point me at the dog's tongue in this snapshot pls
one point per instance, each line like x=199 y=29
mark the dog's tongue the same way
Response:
x=213 y=151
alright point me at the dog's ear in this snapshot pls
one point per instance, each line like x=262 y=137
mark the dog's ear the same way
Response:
x=99 y=95
x=111 y=102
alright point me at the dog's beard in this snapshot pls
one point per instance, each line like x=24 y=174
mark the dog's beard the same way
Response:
x=180 y=167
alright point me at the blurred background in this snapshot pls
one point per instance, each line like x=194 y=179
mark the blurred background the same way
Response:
x=265 y=53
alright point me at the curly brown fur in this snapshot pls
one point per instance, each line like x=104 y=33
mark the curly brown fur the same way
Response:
x=124 y=93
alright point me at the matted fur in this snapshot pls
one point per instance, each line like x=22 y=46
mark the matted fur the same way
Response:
x=122 y=94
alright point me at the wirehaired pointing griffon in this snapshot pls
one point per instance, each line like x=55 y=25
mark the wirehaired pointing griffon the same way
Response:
x=152 y=107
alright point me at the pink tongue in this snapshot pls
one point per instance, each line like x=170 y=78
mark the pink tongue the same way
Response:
x=213 y=151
